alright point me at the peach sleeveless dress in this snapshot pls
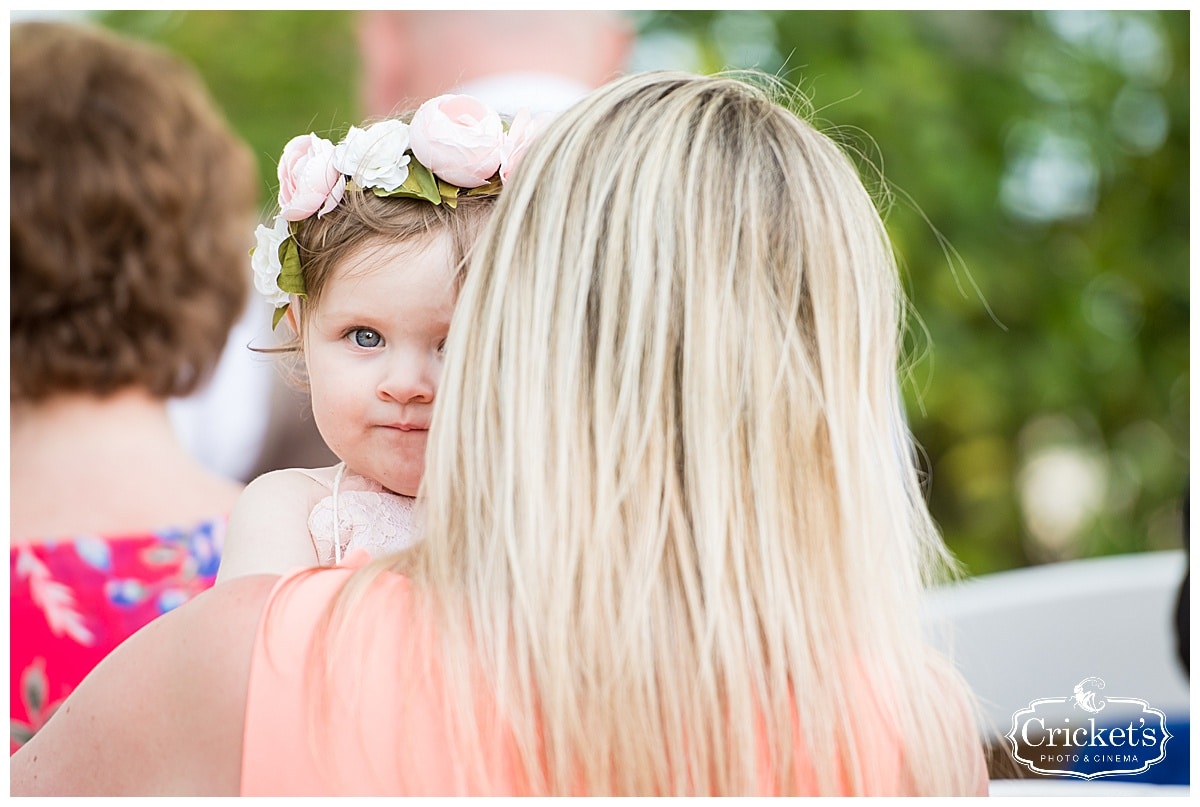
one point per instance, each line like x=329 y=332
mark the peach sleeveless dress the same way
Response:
x=379 y=729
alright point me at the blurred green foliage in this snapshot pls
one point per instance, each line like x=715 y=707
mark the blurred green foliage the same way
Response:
x=276 y=74
x=1035 y=169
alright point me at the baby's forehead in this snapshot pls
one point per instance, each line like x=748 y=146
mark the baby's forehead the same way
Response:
x=430 y=251
x=413 y=276
x=397 y=290
x=382 y=251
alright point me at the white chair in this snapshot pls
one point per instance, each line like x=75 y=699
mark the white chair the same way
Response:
x=1032 y=633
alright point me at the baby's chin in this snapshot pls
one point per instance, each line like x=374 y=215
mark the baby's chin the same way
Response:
x=402 y=478
x=401 y=484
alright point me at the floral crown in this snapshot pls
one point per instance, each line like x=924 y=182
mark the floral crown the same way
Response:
x=454 y=145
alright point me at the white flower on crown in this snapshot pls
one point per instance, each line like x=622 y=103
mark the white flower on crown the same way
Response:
x=374 y=157
x=265 y=261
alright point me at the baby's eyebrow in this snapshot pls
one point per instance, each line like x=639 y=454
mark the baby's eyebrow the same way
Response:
x=333 y=311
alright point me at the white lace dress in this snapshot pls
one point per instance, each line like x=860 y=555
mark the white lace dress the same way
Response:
x=368 y=516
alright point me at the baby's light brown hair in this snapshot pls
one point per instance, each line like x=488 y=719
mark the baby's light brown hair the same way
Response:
x=362 y=219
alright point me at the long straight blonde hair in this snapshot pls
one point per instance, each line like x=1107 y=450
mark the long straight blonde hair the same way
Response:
x=673 y=520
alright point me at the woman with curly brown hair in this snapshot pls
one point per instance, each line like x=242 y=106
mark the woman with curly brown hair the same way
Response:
x=131 y=199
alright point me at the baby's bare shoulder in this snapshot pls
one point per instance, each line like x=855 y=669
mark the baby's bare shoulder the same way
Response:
x=268 y=528
x=292 y=484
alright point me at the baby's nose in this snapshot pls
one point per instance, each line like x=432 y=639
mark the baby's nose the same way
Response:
x=409 y=379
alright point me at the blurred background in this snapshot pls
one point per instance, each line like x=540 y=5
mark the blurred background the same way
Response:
x=1033 y=167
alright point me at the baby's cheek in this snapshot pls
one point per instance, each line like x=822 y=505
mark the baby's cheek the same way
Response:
x=331 y=423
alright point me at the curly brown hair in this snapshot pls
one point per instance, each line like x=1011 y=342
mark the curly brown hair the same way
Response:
x=131 y=204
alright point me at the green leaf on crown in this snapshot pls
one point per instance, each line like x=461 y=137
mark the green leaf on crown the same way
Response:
x=448 y=192
x=291 y=279
x=490 y=188
x=278 y=315
x=419 y=184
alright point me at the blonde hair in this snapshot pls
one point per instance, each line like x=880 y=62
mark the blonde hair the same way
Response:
x=674 y=523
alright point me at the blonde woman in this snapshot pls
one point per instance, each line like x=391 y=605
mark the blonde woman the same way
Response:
x=675 y=540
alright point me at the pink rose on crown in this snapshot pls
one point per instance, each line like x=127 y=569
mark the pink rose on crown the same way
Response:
x=458 y=138
x=309 y=182
x=524 y=130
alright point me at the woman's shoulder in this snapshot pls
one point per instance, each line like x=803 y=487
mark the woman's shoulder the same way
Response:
x=301 y=598
x=169 y=531
x=368 y=664
x=172 y=699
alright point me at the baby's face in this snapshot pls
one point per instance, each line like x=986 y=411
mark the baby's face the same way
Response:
x=373 y=348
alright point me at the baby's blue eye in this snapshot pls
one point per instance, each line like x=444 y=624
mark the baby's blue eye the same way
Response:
x=365 y=337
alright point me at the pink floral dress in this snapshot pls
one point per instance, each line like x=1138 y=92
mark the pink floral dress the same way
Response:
x=75 y=599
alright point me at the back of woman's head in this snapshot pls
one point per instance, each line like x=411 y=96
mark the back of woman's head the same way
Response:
x=689 y=306
x=669 y=447
x=131 y=207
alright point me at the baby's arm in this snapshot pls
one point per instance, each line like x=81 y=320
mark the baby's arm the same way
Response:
x=268 y=528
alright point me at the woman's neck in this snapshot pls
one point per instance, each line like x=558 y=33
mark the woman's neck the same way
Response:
x=122 y=422
x=85 y=463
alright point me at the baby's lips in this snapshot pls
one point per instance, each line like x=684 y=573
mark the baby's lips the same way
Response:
x=408 y=427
